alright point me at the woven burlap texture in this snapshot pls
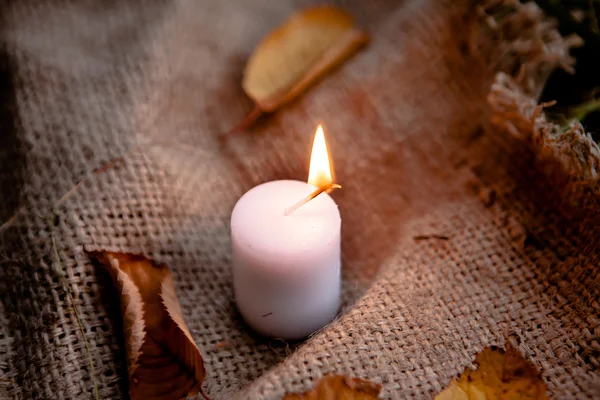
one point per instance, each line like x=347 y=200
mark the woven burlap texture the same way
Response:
x=456 y=234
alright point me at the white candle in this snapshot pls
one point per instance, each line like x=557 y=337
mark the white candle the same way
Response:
x=286 y=268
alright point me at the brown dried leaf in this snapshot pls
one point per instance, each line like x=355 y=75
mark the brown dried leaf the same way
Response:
x=297 y=53
x=500 y=375
x=338 y=387
x=163 y=360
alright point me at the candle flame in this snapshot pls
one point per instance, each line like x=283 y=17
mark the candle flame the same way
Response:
x=319 y=173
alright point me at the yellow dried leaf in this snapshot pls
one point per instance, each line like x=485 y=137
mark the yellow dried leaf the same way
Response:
x=296 y=54
x=452 y=392
x=499 y=375
x=163 y=361
x=338 y=387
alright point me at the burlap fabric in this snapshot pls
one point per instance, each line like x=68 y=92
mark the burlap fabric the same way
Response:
x=463 y=224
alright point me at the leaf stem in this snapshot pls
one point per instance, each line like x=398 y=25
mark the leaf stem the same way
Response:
x=581 y=111
x=246 y=122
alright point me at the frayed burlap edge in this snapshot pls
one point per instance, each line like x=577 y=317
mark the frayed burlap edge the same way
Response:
x=528 y=49
x=570 y=146
x=519 y=39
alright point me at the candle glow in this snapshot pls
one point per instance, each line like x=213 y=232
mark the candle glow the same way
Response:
x=319 y=173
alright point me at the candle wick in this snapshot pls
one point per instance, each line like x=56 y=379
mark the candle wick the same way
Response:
x=311 y=196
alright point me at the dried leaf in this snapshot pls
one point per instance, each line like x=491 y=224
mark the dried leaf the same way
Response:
x=499 y=375
x=338 y=387
x=301 y=50
x=163 y=360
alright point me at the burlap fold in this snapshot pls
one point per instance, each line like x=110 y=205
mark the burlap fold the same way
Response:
x=465 y=223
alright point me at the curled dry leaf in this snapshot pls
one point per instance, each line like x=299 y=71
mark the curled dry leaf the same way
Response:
x=296 y=54
x=338 y=387
x=163 y=361
x=499 y=375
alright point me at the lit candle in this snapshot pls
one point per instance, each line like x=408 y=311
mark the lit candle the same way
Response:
x=286 y=252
